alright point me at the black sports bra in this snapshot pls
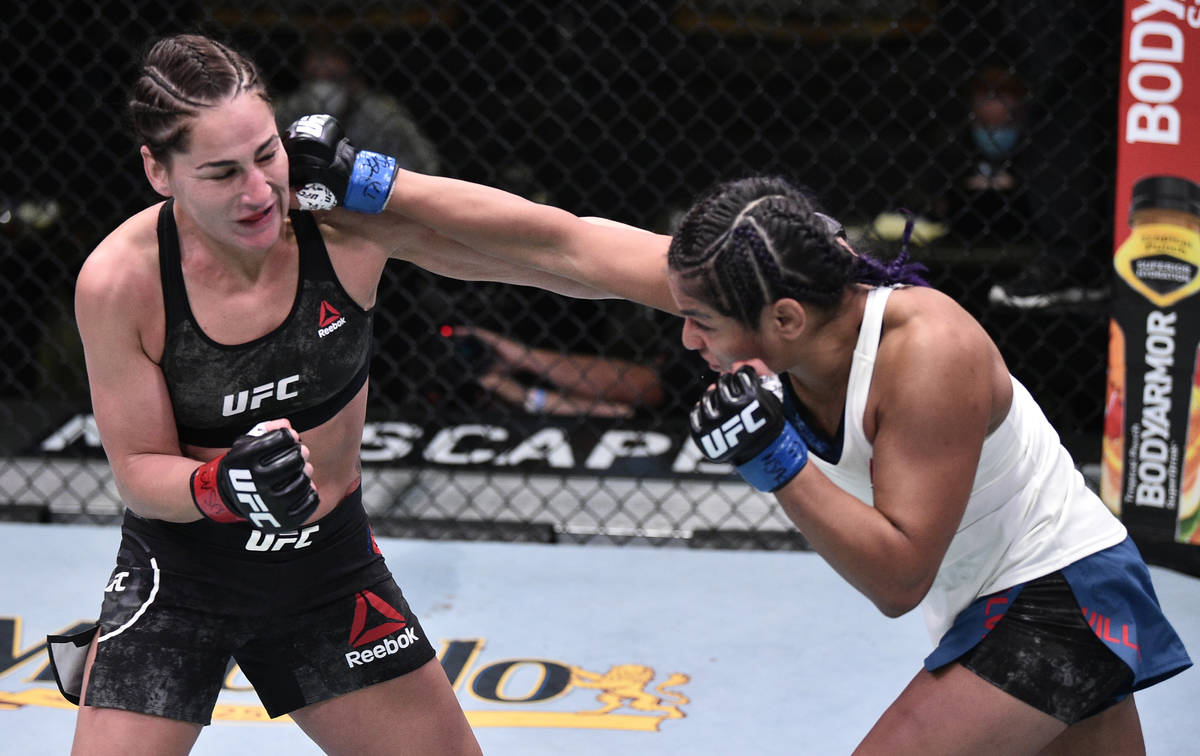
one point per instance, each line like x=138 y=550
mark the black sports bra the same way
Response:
x=305 y=370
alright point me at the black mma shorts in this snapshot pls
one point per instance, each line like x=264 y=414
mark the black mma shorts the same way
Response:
x=308 y=616
x=1044 y=653
x=1071 y=643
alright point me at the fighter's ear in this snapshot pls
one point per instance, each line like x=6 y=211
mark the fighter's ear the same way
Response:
x=788 y=318
x=157 y=172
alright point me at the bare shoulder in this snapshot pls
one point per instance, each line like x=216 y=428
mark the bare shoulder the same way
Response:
x=932 y=347
x=923 y=316
x=124 y=266
x=930 y=343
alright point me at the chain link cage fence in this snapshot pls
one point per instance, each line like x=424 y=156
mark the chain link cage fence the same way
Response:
x=990 y=124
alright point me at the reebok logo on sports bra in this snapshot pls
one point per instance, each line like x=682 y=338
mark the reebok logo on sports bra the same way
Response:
x=329 y=320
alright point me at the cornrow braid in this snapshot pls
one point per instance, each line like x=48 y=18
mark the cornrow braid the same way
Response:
x=750 y=242
x=247 y=73
x=812 y=264
x=169 y=88
x=748 y=283
x=181 y=75
x=198 y=60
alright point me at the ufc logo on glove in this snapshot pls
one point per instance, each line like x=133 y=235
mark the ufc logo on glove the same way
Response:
x=243 y=483
x=311 y=125
x=722 y=439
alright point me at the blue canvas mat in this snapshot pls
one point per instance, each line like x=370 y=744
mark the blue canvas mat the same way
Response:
x=574 y=649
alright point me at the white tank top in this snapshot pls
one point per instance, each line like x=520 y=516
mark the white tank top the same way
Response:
x=1029 y=513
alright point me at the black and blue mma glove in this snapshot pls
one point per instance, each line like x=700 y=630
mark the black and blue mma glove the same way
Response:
x=327 y=171
x=740 y=421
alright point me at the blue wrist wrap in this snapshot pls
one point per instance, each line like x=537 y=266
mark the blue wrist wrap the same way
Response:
x=370 y=182
x=772 y=468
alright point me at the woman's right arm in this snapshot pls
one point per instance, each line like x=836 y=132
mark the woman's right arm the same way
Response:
x=610 y=257
x=471 y=231
x=114 y=298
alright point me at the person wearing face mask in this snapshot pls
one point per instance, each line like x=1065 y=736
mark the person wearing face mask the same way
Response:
x=997 y=117
x=986 y=200
x=372 y=119
x=1063 y=53
x=975 y=189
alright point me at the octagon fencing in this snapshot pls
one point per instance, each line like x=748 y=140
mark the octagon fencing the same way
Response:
x=990 y=125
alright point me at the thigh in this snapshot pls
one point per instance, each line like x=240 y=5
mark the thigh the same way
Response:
x=116 y=732
x=1116 y=730
x=417 y=713
x=952 y=711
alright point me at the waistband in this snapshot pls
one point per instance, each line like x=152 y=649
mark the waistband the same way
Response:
x=240 y=540
x=236 y=568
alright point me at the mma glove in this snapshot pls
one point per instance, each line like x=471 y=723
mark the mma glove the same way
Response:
x=741 y=421
x=327 y=171
x=261 y=479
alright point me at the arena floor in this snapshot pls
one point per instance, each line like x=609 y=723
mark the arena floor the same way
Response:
x=700 y=652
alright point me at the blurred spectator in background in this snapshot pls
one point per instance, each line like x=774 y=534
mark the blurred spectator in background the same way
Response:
x=973 y=189
x=1064 y=53
x=373 y=120
x=987 y=196
x=997 y=123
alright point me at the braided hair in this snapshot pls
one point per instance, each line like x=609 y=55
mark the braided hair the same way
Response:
x=180 y=75
x=750 y=242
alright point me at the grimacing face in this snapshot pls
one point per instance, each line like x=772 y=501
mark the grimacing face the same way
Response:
x=232 y=181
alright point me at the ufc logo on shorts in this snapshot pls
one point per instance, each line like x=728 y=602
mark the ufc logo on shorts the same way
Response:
x=301 y=539
x=721 y=440
x=252 y=399
x=243 y=484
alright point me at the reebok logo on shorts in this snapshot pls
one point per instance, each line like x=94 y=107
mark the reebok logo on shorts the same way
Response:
x=374 y=618
x=364 y=603
x=388 y=647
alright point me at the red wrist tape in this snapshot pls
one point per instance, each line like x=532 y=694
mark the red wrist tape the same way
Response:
x=207 y=497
